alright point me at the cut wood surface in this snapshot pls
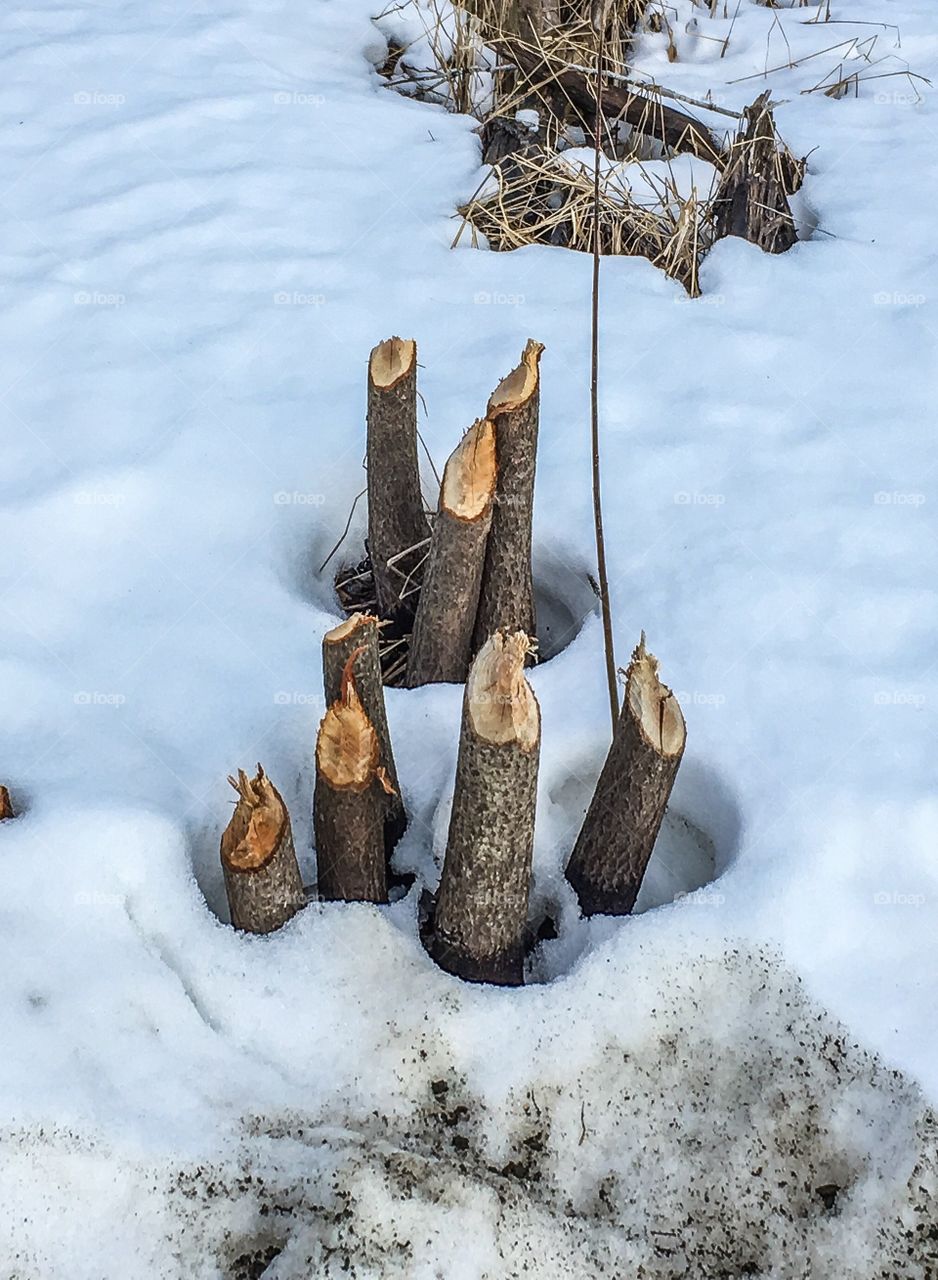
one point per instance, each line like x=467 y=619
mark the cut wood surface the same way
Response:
x=349 y=805
x=397 y=523
x=6 y=805
x=646 y=112
x=752 y=199
x=612 y=851
x=506 y=600
x=262 y=878
x=479 y=919
x=359 y=636
x=441 y=644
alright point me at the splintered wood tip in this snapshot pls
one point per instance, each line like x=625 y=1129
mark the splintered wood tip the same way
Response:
x=520 y=385
x=345 y=629
x=6 y=805
x=502 y=704
x=251 y=838
x=392 y=360
x=653 y=705
x=469 y=478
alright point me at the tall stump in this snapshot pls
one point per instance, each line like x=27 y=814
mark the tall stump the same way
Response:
x=506 y=599
x=397 y=523
x=477 y=931
x=262 y=878
x=441 y=644
x=612 y=851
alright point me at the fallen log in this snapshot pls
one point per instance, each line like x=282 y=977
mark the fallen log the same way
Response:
x=358 y=638
x=350 y=802
x=441 y=644
x=397 y=523
x=478 y=924
x=6 y=805
x=649 y=115
x=752 y=199
x=262 y=878
x=506 y=599
x=618 y=835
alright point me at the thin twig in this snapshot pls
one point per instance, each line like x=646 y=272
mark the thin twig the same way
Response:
x=345 y=533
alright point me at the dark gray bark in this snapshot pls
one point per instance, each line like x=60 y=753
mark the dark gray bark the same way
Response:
x=441 y=644
x=752 y=198
x=262 y=878
x=506 y=600
x=349 y=804
x=618 y=835
x=359 y=635
x=478 y=926
x=397 y=522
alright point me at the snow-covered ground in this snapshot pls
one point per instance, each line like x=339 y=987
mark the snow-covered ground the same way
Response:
x=209 y=214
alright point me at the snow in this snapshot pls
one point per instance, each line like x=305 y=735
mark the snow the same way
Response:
x=209 y=216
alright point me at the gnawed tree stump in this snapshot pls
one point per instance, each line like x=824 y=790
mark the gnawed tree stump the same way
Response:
x=6 y=805
x=262 y=878
x=506 y=601
x=350 y=802
x=477 y=931
x=752 y=198
x=612 y=851
x=441 y=644
x=358 y=637
x=397 y=523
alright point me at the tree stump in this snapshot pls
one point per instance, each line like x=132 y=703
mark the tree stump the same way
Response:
x=6 y=805
x=441 y=644
x=506 y=601
x=477 y=931
x=358 y=636
x=397 y=522
x=262 y=878
x=350 y=802
x=752 y=198
x=612 y=851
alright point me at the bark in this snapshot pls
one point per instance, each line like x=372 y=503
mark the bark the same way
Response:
x=359 y=636
x=262 y=878
x=397 y=523
x=441 y=644
x=677 y=130
x=478 y=926
x=349 y=805
x=6 y=805
x=752 y=199
x=506 y=600
x=612 y=851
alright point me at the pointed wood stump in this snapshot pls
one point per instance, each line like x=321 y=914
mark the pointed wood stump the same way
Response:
x=441 y=644
x=262 y=878
x=477 y=932
x=506 y=601
x=397 y=523
x=609 y=859
x=6 y=805
x=752 y=198
x=349 y=805
x=359 y=636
